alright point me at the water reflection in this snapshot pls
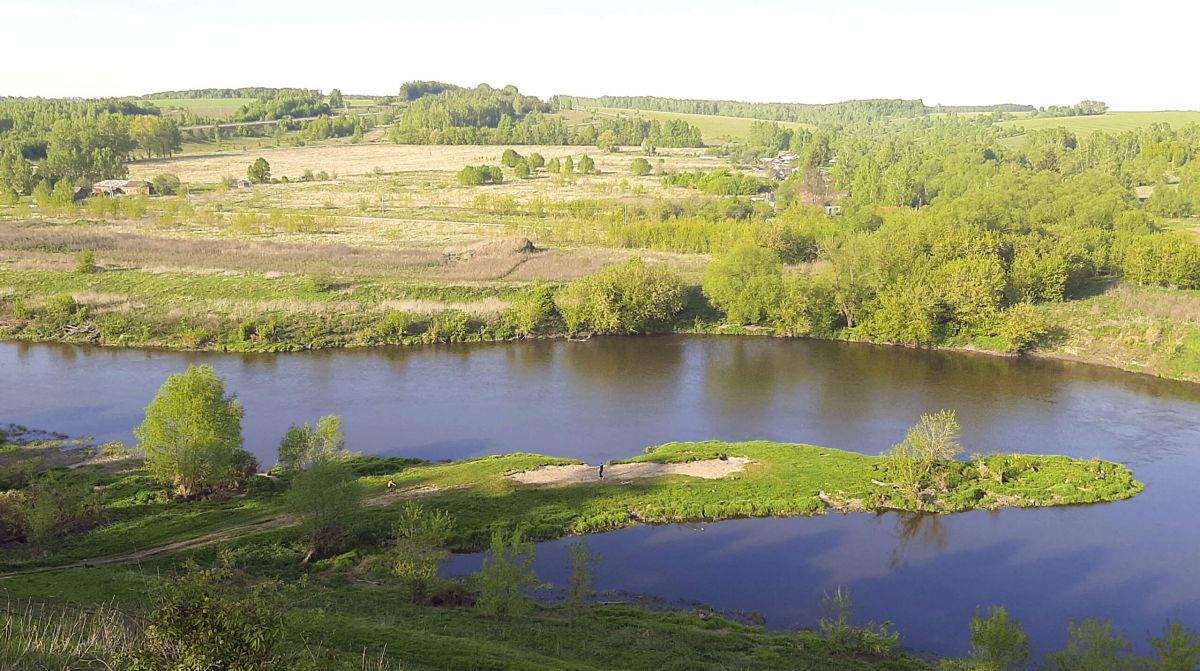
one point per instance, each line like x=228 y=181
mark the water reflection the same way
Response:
x=610 y=397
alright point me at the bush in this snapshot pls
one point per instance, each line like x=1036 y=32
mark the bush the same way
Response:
x=533 y=311
x=639 y=167
x=998 y=643
x=85 y=264
x=744 y=283
x=421 y=537
x=473 y=175
x=632 y=297
x=507 y=572
x=166 y=184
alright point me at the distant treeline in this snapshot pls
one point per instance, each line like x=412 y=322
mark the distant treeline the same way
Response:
x=487 y=115
x=852 y=111
x=1003 y=107
x=242 y=92
x=1084 y=108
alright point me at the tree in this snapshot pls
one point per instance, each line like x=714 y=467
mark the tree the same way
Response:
x=744 y=283
x=533 y=311
x=335 y=99
x=607 y=141
x=536 y=161
x=915 y=462
x=631 y=297
x=1178 y=649
x=166 y=184
x=85 y=264
x=586 y=165
x=302 y=447
x=554 y=166
x=997 y=642
x=421 y=537
x=507 y=572
x=568 y=166
x=639 y=167
x=521 y=170
x=259 y=172
x=155 y=135
x=192 y=434
x=324 y=498
x=510 y=158
x=1092 y=646
x=583 y=563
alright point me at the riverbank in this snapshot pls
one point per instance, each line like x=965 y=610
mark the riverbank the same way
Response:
x=1136 y=329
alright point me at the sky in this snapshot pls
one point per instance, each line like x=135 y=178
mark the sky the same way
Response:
x=1132 y=55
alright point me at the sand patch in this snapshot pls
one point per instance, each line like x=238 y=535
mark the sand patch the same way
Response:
x=709 y=469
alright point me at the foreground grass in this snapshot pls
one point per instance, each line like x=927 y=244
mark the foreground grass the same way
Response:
x=336 y=622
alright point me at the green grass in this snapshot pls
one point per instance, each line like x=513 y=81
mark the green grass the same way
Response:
x=209 y=107
x=782 y=479
x=715 y=129
x=1112 y=122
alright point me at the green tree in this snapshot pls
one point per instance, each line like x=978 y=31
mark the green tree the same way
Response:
x=744 y=283
x=335 y=99
x=506 y=574
x=325 y=498
x=510 y=158
x=586 y=165
x=304 y=446
x=1178 y=649
x=259 y=172
x=554 y=167
x=906 y=313
x=1022 y=327
x=192 y=433
x=607 y=141
x=1092 y=646
x=917 y=462
x=583 y=564
x=521 y=170
x=85 y=263
x=420 y=547
x=639 y=167
x=536 y=161
x=998 y=643
x=166 y=184
x=533 y=311
x=568 y=166
x=631 y=297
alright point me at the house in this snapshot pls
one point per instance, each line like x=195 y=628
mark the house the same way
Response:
x=122 y=187
x=244 y=184
x=1143 y=193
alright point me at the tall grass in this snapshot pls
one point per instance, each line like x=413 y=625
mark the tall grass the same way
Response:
x=42 y=637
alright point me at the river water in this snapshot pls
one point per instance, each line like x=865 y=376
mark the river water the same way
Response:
x=1132 y=561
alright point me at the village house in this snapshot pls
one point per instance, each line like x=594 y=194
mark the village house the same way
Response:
x=122 y=187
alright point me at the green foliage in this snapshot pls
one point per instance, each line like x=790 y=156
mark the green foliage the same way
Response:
x=192 y=434
x=583 y=564
x=506 y=575
x=838 y=631
x=259 y=171
x=304 y=446
x=998 y=643
x=1023 y=327
x=1178 y=649
x=166 y=184
x=325 y=498
x=745 y=283
x=906 y=313
x=587 y=166
x=1093 y=646
x=632 y=297
x=204 y=619
x=511 y=158
x=473 y=175
x=806 y=307
x=920 y=461
x=534 y=312
x=723 y=182
x=521 y=170
x=420 y=546
x=640 y=167
x=85 y=263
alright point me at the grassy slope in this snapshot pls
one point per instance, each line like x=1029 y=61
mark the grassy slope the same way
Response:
x=218 y=108
x=715 y=129
x=1113 y=122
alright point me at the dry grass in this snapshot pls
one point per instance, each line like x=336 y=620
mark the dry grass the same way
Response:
x=37 y=636
x=362 y=159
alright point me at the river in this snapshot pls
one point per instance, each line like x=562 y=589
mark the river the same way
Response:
x=1131 y=561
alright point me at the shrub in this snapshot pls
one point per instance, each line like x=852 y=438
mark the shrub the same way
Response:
x=325 y=498
x=744 y=283
x=507 y=572
x=997 y=642
x=421 y=537
x=533 y=311
x=632 y=297
x=166 y=184
x=85 y=264
x=640 y=167
x=473 y=175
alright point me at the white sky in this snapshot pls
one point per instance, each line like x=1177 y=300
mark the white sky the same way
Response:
x=1133 y=55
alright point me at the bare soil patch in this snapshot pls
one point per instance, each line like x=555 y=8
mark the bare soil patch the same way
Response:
x=708 y=469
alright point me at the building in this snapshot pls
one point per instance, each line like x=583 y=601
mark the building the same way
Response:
x=122 y=187
x=1143 y=193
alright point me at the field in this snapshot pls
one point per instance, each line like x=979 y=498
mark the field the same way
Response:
x=217 y=108
x=1113 y=122
x=715 y=129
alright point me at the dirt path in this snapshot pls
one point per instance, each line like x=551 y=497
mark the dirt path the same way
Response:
x=220 y=536
x=709 y=469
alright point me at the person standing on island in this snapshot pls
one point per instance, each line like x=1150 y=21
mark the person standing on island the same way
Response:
x=602 y=470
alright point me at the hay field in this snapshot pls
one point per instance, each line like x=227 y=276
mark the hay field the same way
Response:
x=362 y=159
x=1113 y=122
x=715 y=129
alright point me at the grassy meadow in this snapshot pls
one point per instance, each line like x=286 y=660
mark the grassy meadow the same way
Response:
x=1112 y=122
x=217 y=108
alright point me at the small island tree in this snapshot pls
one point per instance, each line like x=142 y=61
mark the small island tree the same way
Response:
x=192 y=434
